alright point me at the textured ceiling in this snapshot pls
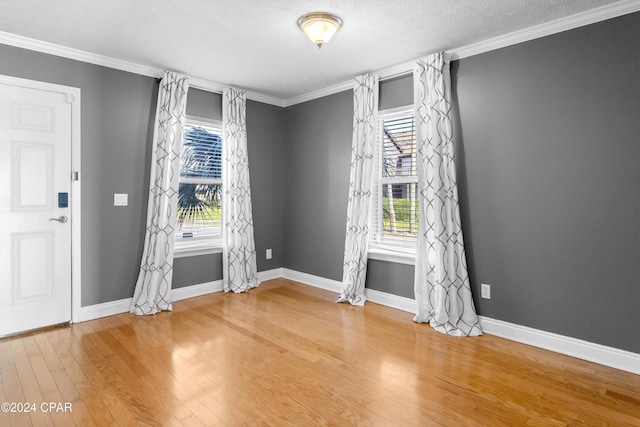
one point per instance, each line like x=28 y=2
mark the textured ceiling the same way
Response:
x=256 y=44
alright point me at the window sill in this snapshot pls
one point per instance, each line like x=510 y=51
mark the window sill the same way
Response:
x=184 y=253
x=391 y=254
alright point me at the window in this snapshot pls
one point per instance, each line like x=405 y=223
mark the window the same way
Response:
x=199 y=214
x=394 y=220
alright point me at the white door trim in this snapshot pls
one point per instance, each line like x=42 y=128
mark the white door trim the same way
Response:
x=73 y=97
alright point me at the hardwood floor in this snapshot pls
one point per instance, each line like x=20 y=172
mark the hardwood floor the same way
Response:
x=286 y=354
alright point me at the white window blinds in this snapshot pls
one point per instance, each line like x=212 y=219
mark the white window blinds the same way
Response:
x=199 y=214
x=394 y=220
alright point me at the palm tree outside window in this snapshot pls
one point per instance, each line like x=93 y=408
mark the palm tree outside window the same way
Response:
x=199 y=213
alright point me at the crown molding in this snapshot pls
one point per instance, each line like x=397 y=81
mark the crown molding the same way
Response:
x=386 y=73
x=581 y=19
x=592 y=16
x=211 y=86
x=131 y=67
x=320 y=93
x=265 y=99
x=79 y=55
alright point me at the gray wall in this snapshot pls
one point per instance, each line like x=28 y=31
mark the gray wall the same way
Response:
x=205 y=104
x=547 y=156
x=195 y=270
x=316 y=182
x=390 y=277
x=318 y=155
x=548 y=160
x=118 y=110
x=396 y=92
x=385 y=276
x=265 y=140
x=117 y=119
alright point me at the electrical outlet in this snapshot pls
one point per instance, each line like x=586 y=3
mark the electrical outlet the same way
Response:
x=268 y=255
x=485 y=291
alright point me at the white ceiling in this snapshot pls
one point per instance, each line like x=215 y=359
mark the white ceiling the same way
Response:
x=256 y=44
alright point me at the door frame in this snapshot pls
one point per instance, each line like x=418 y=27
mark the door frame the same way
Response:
x=73 y=98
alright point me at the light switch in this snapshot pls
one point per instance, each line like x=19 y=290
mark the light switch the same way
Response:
x=120 y=199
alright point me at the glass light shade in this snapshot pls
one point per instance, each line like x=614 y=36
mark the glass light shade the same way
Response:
x=319 y=27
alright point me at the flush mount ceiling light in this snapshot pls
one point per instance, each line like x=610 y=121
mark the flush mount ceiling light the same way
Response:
x=319 y=26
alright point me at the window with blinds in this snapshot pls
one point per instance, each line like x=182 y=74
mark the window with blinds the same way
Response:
x=394 y=219
x=199 y=213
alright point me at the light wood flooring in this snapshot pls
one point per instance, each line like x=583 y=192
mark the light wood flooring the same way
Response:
x=286 y=354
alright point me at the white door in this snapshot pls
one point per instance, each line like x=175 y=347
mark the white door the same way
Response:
x=35 y=227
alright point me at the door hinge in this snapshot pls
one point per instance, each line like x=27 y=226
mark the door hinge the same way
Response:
x=75 y=176
x=70 y=98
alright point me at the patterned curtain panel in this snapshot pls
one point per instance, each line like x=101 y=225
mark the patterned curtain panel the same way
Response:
x=240 y=272
x=153 y=288
x=442 y=289
x=365 y=117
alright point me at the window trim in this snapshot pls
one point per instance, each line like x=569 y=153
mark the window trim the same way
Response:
x=186 y=252
x=199 y=245
x=399 y=255
x=386 y=251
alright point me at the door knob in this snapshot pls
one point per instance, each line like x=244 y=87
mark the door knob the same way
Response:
x=61 y=219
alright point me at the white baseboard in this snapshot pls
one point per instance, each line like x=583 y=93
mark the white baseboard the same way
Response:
x=105 y=309
x=196 y=290
x=112 y=308
x=596 y=353
x=311 y=280
x=382 y=298
x=585 y=350
x=390 y=300
x=276 y=273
